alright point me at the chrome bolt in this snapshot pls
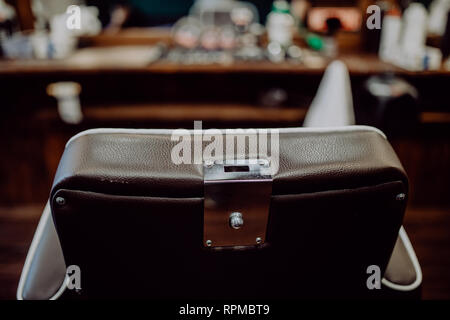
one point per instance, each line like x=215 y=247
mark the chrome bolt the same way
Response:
x=209 y=243
x=209 y=163
x=400 y=197
x=258 y=240
x=236 y=220
x=263 y=163
x=60 y=201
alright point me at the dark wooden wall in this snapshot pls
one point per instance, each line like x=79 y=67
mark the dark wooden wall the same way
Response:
x=33 y=136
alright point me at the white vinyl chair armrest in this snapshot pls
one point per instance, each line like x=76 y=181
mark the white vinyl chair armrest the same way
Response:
x=44 y=272
x=403 y=272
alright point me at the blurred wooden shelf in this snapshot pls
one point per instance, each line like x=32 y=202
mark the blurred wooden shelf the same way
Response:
x=126 y=37
x=435 y=117
x=185 y=112
x=358 y=64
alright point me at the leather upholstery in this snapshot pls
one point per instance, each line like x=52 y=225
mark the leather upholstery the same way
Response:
x=139 y=164
x=132 y=216
x=45 y=268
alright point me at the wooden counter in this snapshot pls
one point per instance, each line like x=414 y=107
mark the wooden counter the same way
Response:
x=358 y=64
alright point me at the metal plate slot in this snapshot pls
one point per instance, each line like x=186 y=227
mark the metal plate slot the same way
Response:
x=237 y=201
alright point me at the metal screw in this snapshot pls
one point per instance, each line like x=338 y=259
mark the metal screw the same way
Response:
x=60 y=201
x=400 y=197
x=264 y=163
x=236 y=220
x=209 y=163
x=209 y=243
x=258 y=240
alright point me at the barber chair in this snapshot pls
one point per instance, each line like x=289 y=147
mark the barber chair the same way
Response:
x=139 y=226
x=389 y=104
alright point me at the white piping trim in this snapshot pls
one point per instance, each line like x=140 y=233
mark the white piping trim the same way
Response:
x=32 y=253
x=281 y=130
x=415 y=262
x=61 y=289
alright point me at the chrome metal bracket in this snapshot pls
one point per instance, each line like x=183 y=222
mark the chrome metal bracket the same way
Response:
x=237 y=200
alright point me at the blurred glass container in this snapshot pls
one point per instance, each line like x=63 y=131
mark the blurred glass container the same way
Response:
x=18 y=46
x=67 y=96
x=244 y=15
x=227 y=38
x=41 y=45
x=186 y=32
x=294 y=53
x=275 y=52
x=45 y=10
x=210 y=38
x=8 y=20
x=250 y=53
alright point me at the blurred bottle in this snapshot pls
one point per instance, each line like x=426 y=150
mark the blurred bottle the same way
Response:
x=414 y=28
x=67 y=95
x=280 y=24
x=8 y=23
x=390 y=34
x=445 y=45
x=438 y=16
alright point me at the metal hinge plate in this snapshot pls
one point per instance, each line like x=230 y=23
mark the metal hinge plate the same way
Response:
x=237 y=200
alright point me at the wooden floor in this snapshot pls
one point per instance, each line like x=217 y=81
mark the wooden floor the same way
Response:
x=428 y=229
x=17 y=225
x=429 y=232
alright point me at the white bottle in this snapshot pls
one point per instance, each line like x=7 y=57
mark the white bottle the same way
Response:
x=280 y=24
x=438 y=16
x=414 y=29
x=390 y=35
